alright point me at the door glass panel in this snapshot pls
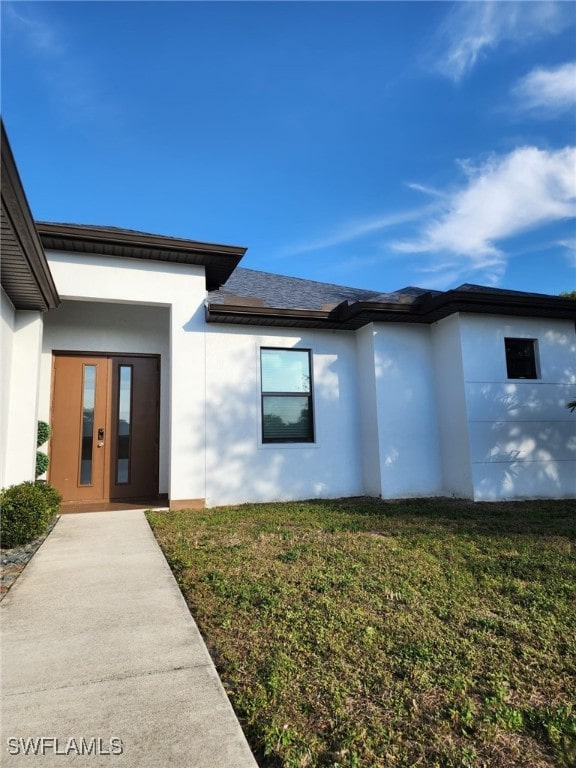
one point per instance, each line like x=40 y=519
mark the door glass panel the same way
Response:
x=88 y=393
x=124 y=423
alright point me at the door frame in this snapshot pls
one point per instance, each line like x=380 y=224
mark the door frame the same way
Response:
x=110 y=398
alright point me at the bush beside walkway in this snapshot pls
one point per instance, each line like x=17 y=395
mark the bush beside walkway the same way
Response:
x=27 y=510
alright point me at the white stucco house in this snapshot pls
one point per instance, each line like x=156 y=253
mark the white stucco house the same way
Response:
x=167 y=370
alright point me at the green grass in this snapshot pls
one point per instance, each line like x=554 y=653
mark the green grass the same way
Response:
x=357 y=633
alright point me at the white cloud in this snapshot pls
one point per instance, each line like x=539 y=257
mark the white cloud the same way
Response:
x=471 y=29
x=548 y=91
x=504 y=196
x=356 y=230
x=34 y=31
x=569 y=247
x=69 y=78
x=430 y=191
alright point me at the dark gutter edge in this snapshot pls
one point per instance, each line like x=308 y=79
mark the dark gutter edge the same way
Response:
x=339 y=318
x=241 y=309
x=473 y=299
x=34 y=253
x=136 y=240
x=219 y=261
x=242 y=314
x=425 y=310
x=348 y=311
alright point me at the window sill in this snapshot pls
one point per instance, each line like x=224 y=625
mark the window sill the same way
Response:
x=286 y=446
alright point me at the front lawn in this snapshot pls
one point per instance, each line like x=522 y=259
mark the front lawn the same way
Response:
x=357 y=633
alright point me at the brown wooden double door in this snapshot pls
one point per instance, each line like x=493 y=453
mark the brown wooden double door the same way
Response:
x=105 y=427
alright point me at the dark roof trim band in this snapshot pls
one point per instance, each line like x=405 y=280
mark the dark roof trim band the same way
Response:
x=28 y=280
x=219 y=260
x=427 y=309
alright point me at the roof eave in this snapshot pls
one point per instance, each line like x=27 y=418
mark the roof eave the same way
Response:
x=218 y=260
x=278 y=317
x=31 y=253
x=480 y=302
x=343 y=317
x=425 y=310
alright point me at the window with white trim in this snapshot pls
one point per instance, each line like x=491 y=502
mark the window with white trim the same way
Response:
x=286 y=376
x=521 y=358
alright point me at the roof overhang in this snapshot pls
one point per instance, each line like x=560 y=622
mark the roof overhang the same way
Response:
x=25 y=273
x=219 y=261
x=425 y=309
x=512 y=303
x=242 y=314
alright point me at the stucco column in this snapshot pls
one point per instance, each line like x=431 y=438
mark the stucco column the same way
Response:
x=368 y=403
x=23 y=398
x=187 y=404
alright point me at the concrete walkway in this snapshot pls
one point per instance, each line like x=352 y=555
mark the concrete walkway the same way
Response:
x=98 y=645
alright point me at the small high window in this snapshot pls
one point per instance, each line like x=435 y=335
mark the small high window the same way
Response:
x=286 y=396
x=521 y=358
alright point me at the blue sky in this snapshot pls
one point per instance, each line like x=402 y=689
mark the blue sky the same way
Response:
x=372 y=144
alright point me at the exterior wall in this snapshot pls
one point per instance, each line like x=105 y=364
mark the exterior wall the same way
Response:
x=239 y=467
x=400 y=410
x=21 y=344
x=451 y=404
x=181 y=288
x=409 y=443
x=522 y=437
x=116 y=328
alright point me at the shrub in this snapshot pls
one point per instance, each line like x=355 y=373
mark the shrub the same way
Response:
x=52 y=498
x=27 y=509
x=43 y=435
x=42 y=462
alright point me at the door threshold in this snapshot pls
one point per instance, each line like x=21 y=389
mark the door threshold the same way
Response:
x=74 y=507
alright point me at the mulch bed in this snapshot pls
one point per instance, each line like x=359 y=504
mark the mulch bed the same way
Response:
x=13 y=561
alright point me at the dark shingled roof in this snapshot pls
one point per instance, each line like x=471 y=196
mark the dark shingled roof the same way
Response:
x=271 y=290
x=110 y=230
x=503 y=292
x=250 y=297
